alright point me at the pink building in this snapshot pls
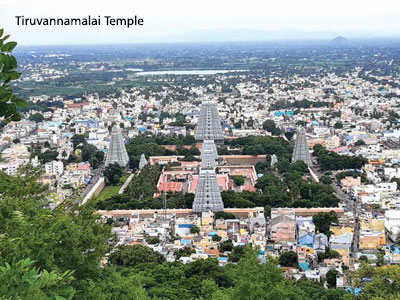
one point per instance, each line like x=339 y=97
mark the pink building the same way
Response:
x=283 y=229
x=350 y=181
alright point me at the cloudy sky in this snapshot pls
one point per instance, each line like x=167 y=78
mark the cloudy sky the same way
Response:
x=185 y=20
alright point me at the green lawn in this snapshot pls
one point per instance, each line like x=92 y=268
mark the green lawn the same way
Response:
x=108 y=191
x=111 y=190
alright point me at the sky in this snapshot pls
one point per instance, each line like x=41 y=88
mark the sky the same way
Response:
x=191 y=21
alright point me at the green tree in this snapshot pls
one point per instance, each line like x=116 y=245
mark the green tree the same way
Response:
x=289 y=135
x=261 y=281
x=326 y=179
x=232 y=199
x=47 y=156
x=113 y=173
x=138 y=146
x=21 y=280
x=145 y=183
x=78 y=139
x=37 y=117
x=288 y=259
x=226 y=246
x=323 y=221
x=270 y=126
x=9 y=102
x=216 y=238
x=331 y=278
x=153 y=240
x=377 y=283
x=338 y=125
x=328 y=254
x=92 y=155
x=314 y=290
x=88 y=151
x=268 y=179
x=194 y=229
x=224 y=215
x=110 y=284
x=57 y=240
x=184 y=252
x=238 y=180
x=237 y=253
x=380 y=258
x=135 y=256
x=359 y=143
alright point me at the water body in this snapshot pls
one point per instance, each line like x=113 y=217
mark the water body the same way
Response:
x=187 y=72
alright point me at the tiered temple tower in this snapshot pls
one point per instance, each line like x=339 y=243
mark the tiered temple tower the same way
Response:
x=300 y=151
x=209 y=155
x=274 y=160
x=209 y=124
x=116 y=151
x=208 y=194
x=143 y=162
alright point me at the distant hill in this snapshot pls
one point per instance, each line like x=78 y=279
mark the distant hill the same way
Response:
x=246 y=34
x=340 y=41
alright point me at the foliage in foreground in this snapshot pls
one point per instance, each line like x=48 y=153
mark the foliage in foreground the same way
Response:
x=9 y=103
x=23 y=281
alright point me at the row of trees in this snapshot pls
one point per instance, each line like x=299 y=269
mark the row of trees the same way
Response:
x=151 y=146
x=282 y=104
x=257 y=145
x=174 y=200
x=329 y=160
x=145 y=183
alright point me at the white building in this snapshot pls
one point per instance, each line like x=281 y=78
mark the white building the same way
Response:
x=392 y=223
x=10 y=168
x=54 y=167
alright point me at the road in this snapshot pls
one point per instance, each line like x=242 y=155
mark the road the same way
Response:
x=98 y=173
x=353 y=206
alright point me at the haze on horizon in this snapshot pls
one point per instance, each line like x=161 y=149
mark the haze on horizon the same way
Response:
x=208 y=20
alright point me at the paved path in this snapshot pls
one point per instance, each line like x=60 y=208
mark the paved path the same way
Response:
x=123 y=187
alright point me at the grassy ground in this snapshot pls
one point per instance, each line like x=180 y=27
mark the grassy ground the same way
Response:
x=108 y=191
x=111 y=190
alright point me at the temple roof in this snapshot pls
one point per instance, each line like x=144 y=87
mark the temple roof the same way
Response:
x=116 y=151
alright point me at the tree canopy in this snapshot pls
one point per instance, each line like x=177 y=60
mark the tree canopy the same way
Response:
x=9 y=102
x=113 y=173
x=329 y=160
